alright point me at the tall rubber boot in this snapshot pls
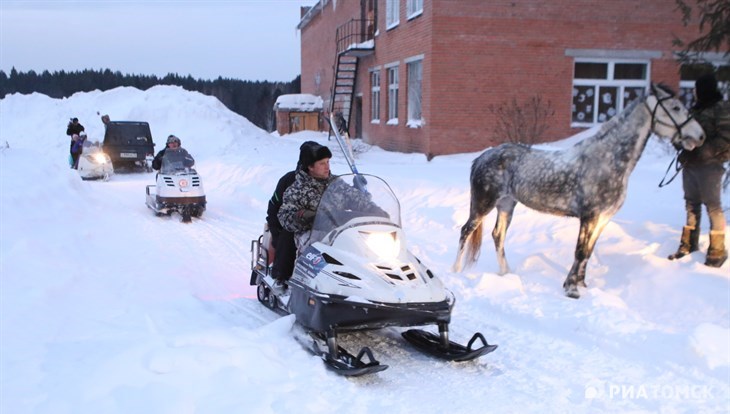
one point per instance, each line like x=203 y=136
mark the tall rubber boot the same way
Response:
x=716 y=254
x=688 y=243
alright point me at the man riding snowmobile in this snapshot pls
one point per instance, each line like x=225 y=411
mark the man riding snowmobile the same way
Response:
x=173 y=143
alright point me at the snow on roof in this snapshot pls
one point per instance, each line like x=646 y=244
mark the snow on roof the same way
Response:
x=300 y=102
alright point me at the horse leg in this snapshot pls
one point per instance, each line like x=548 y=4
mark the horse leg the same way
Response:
x=505 y=208
x=590 y=229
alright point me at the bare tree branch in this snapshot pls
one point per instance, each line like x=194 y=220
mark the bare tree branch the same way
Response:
x=524 y=123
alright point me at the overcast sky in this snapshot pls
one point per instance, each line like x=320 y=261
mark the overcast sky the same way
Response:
x=241 y=39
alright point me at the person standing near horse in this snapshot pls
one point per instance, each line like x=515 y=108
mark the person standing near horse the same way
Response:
x=703 y=169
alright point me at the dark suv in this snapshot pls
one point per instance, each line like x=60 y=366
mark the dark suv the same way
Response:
x=129 y=143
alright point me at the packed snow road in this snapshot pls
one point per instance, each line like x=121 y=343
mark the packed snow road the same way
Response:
x=210 y=257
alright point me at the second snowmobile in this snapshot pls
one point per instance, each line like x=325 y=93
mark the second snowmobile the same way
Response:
x=356 y=275
x=94 y=163
x=179 y=187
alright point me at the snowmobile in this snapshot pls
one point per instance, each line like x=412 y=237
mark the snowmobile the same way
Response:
x=178 y=189
x=358 y=275
x=94 y=164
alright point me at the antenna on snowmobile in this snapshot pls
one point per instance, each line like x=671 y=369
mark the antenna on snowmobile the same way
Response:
x=359 y=181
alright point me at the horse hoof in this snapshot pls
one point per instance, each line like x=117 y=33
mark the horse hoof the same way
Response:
x=572 y=292
x=582 y=283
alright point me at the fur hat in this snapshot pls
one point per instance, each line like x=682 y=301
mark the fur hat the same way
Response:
x=706 y=90
x=314 y=153
x=303 y=150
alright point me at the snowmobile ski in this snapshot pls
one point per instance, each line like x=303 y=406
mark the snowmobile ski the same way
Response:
x=344 y=363
x=432 y=344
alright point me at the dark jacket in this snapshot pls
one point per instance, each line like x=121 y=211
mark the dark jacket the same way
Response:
x=74 y=129
x=275 y=202
x=715 y=121
x=157 y=162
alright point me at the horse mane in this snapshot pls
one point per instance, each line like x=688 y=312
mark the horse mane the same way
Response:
x=620 y=119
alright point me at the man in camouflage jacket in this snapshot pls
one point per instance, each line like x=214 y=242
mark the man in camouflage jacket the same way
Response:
x=301 y=199
x=703 y=170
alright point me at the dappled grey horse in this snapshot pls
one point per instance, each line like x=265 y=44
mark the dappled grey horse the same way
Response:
x=587 y=181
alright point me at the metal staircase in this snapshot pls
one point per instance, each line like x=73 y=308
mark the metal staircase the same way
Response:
x=343 y=89
x=353 y=40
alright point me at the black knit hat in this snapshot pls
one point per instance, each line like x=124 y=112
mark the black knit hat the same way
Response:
x=706 y=90
x=314 y=153
x=303 y=150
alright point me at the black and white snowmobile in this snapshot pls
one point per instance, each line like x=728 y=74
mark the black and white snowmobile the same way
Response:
x=356 y=275
x=179 y=187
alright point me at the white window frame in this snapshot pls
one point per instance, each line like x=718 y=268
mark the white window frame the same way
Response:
x=392 y=13
x=414 y=70
x=414 y=8
x=375 y=96
x=621 y=84
x=392 y=71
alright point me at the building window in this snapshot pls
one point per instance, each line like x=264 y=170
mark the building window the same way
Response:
x=375 y=96
x=393 y=96
x=414 y=8
x=415 y=76
x=392 y=13
x=690 y=73
x=603 y=88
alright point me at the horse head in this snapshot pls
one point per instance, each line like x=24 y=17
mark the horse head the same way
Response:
x=669 y=118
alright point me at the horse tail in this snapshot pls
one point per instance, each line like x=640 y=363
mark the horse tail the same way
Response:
x=484 y=194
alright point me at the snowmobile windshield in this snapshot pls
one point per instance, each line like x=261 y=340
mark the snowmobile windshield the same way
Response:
x=90 y=147
x=355 y=200
x=177 y=161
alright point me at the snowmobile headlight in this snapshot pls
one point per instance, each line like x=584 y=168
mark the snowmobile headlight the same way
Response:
x=183 y=183
x=384 y=244
x=99 y=158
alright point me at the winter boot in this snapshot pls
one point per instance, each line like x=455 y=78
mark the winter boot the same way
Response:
x=688 y=243
x=716 y=254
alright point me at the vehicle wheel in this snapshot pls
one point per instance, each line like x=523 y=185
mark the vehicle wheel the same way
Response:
x=262 y=292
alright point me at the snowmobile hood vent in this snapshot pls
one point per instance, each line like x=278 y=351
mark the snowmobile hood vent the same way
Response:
x=331 y=260
x=346 y=274
x=399 y=272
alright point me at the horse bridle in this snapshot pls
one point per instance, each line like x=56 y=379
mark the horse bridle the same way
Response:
x=654 y=121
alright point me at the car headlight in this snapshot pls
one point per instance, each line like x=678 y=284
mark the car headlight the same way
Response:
x=385 y=245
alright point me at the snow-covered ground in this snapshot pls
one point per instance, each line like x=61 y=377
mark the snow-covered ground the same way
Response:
x=105 y=308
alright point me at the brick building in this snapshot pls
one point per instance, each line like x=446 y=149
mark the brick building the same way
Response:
x=422 y=75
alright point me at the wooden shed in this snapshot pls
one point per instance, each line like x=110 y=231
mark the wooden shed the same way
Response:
x=298 y=112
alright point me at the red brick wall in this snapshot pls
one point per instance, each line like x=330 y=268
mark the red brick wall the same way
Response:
x=409 y=39
x=318 y=46
x=480 y=53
